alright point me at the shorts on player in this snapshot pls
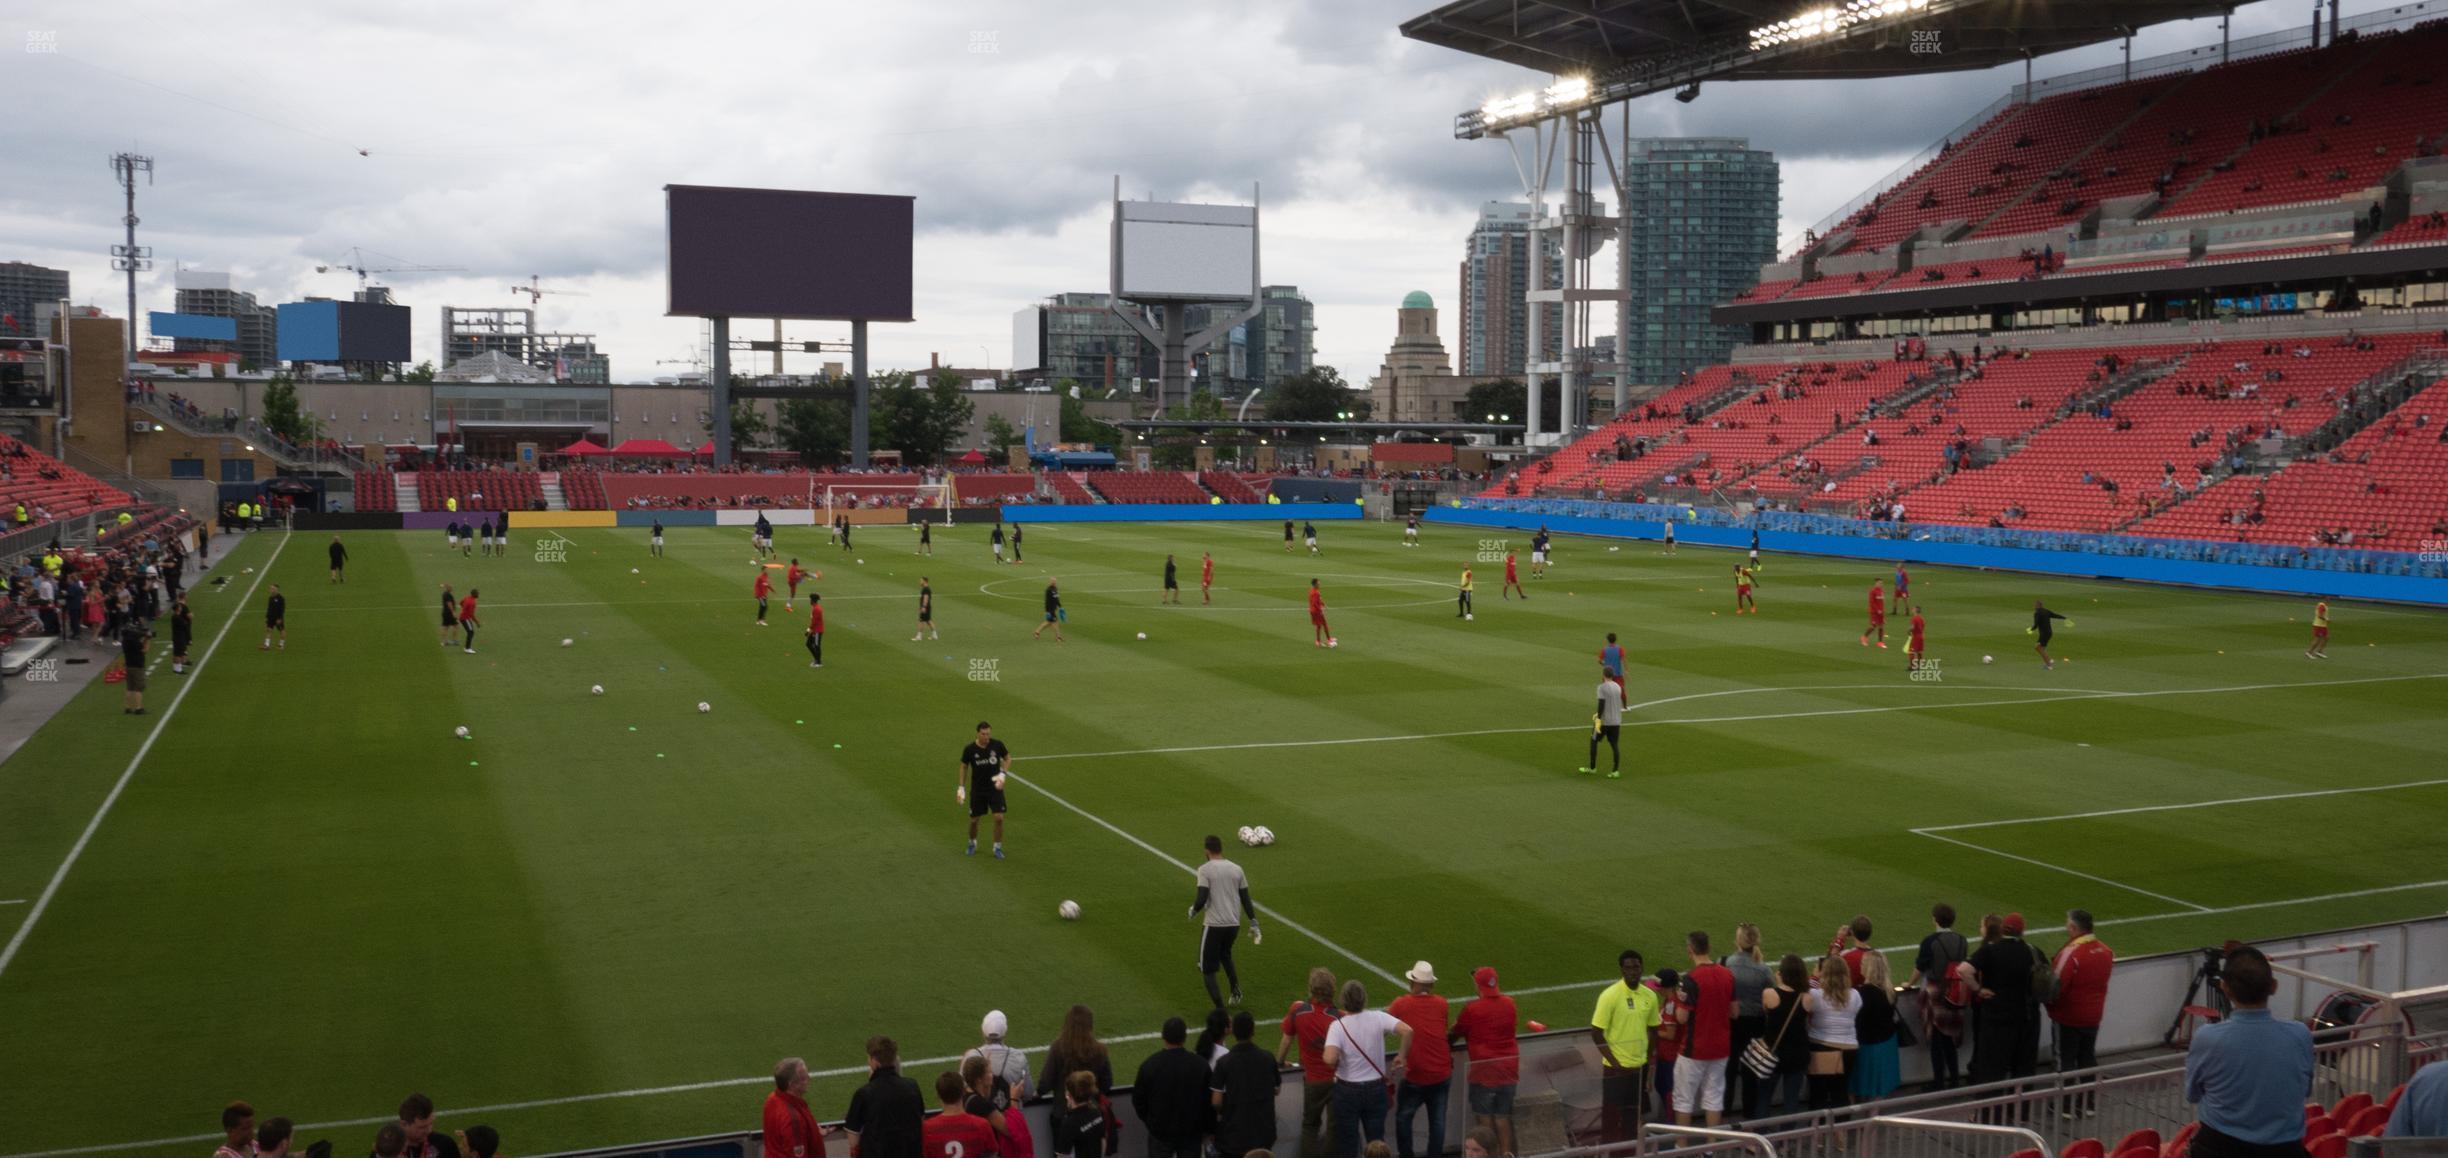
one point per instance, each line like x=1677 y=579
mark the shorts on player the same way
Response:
x=449 y=620
x=1538 y=556
x=1317 y=621
x=1215 y=946
x=985 y=800
x=926 y=616
x=1170 y=585
x=657 y=540
x=1312 y=540
x=1877 y=619
x=273 y=624
x=1699 y=1085
x=135 y=679
x=1053 y=616
x=1492 y=1101
x=2320 y=633
x=2046 y=636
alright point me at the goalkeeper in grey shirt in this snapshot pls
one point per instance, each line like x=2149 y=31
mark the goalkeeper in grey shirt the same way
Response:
x=1607 y=724
x=1223 y=896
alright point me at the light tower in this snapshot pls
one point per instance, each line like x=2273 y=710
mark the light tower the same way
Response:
x=131 y=257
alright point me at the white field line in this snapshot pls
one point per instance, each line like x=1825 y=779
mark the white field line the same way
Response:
x=2058 y=868
x=2180 y=807
x=77 y=850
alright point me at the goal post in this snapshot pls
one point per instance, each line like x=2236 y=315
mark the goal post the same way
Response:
x=830 y=500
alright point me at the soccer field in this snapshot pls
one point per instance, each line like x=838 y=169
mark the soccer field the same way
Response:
x=601 y=919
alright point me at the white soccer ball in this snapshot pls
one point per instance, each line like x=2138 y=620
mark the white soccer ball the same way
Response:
x=1468 y=617
x=703 y=706
x=1334 y=643
x=1143 y=635
x=1266 y=835
x=862 y=562
x=596 y=690
x=633 y=570
x=1069 y=910
x=1988 y=659
x=1248 y=835
x=460 y=731
x=568 y=642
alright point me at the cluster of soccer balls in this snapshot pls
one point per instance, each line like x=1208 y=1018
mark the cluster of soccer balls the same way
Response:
x=1258 y=836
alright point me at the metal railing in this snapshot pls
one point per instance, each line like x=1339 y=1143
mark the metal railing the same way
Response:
x=253 y=430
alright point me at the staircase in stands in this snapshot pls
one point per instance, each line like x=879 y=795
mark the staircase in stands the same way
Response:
x=554 y=500
x=407 y=484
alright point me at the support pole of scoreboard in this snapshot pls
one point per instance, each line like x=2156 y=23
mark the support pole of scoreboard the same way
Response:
x=720 y=383
x=858 y=393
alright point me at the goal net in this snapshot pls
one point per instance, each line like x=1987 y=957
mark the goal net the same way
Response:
x=833 y=499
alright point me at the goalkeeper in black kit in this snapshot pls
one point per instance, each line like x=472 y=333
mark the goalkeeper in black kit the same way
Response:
x=2043 y=628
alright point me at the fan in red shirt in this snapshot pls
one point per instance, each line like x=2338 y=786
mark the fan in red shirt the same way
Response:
x=467 y=620
x=1206 y=577
x=1305 y=1025
x=1708 y=1035
x=764 y=587
x=955 y=1133
x=790 y=1128
x=1878 y=614
x=1320 y=636
x=1912 y=644
x=793 y=576
x=1486 y=1027
x=1428 y=1067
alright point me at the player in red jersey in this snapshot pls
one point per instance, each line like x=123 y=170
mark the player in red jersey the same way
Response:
x=467 y=620
x=1878 y=614
x=955 y=1133
x=793 y=576
x=815 y=631
x=2320 y=631
x=1912 y=644
x=1512 y=581
x=763 y=588
x=1319 y=635
x=1206 y=577
x=1743 y=580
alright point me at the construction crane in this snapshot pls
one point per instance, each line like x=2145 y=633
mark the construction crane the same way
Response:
x=356 y=264
x=535 y=290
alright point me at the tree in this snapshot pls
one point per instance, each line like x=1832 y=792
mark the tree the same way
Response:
x=423 y=373
x=1001 y=435
x=1182 y=453
x=281 y=414
x=1503 y=399
x=1317 y=394
x=816 y=429
x=943 y=418
x=748 y=425
x=1077 y=426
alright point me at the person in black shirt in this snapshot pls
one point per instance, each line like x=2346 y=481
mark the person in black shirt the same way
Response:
x=276 y=616
x=2002 y=1033
x=845 y=532
x=926 y=608
x=1171 y=1096
x=1309 y=533
x=1172 y=584
x=132 y=639
x=2044 y=629
x=339 y=559
x=1079 y=1128
x=1053 y=603
x=1016 y=532
x=450 y=615
x=182 y=633
x=1244 y=1089
x=984 y=762
x=1942 y=1024
x=926 y=539
x=1287 y=534
x=764 y=535
x=887 y=1117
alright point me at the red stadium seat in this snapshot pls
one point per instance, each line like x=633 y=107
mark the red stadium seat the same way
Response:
x=2331 y=1146
x=2349 y=1106
x=2368 y=1122
x=2084 y=1148
x=2142 y=1139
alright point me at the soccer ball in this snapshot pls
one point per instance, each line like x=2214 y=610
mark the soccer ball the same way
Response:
x=862 y=562
x=460 y=731
x=1248 y=835
x=1468 y=617
x=1143 y=635
x=1265 y=835
x=596 y=690
x=1988 y=659
x=703 y=706
x=1069 y=910
x=1333 y=642
x=568 y=642
x=633 y=570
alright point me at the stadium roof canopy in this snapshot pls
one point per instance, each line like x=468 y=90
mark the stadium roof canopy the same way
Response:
x=1631 y=48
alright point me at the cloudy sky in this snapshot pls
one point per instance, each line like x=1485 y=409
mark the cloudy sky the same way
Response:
x=534 y=139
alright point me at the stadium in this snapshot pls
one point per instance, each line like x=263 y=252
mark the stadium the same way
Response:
x=2053 y=575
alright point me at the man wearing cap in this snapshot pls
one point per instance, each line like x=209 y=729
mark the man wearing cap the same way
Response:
x=1428 y=1068
x=1486 y=1027
x=790 y=1127
x=1009 y=1066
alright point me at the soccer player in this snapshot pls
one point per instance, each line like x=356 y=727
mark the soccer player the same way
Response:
x=815 y=631
x=1913 y=641
x=1755 y=546
x=1538 y=556
x=1878 y=615
x=339 y=559
x=2044 y=627
x=1743 y=579
x=450 y=615
x=1512 y=580
x=926 y=539
x=1607 y=724
x=484 y=535
x=1223 y=899
x=1903 y=586
x=845 y=533
x=1611 y=658
x=1670 y=536
x=997 y=539
x=1309 y=535
x=955 y=1133
x=654 y=539
x=1320 y=636
x=926 y=609
x=2320 y=631
x=762 y=588
x=984 y=763
x=1206 y=577
x=450 y=533
x=1463 y=603
x=468 y=623
x=1053 y=612
x=182 y=633
x=763 y=536
x=276 y=620
x=1172 y=585
x=793 y=576
x=1287 y=536
x=467 y=541
x=1411 y=532
x=1017 y=531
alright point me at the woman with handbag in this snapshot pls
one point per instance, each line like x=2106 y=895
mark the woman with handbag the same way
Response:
x=1833 y=1005
x=1781 y=1057
x=1876 y=1070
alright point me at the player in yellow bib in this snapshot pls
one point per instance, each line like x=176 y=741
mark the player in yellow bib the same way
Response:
x=2320 y=631
x=1463 y=607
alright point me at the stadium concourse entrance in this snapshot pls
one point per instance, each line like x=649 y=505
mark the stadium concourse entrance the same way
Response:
x=501 y=441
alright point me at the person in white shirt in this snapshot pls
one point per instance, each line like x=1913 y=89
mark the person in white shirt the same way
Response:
x=1355 y=1047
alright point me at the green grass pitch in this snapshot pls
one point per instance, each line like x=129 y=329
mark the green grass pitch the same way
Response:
x=309 y=894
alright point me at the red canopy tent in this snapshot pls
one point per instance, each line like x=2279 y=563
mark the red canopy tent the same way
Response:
x=972 y=458
x=584 y=448
x=647 y=448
